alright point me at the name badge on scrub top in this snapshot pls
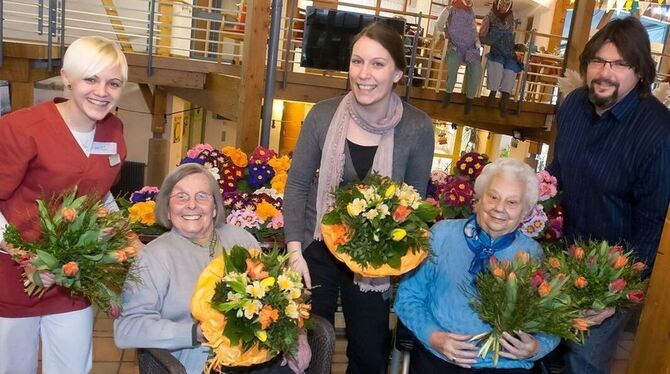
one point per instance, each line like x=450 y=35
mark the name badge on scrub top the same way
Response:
x=103 y=148
x=114 y=160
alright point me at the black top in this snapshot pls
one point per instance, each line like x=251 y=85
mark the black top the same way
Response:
x=362 y=157
x=614 y=170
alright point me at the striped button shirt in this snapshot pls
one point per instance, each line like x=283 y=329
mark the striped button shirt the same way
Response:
x=614 y=171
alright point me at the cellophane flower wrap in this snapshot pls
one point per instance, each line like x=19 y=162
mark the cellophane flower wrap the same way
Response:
x=87 y=248
x=545 y=221
x=252 y=186
x=378 y=223
x=141 y=210
x=251 y=307
x=520 y=295
x=602 y=275
x=454 y=193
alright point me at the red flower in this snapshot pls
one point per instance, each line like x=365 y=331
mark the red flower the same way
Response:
x=401 y=213
x=617 y=285
x=636 y=296
x=114 y=310
x=537 y=279
x=592 y=261
x=616 y=249
x=639 y=266
x=576 y=252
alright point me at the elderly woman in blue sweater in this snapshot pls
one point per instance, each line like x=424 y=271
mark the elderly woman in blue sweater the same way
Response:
x=431 y=302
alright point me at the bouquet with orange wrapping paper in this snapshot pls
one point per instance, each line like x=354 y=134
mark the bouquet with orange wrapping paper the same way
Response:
x=378 y=228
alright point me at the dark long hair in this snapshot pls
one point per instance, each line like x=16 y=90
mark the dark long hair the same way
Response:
x=389 y=38
x=632 y=41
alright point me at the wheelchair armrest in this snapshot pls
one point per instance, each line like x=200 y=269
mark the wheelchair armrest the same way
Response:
x=158 y=361
x=404 y=338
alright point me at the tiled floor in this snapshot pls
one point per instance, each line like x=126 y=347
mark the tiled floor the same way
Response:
x=108 y=359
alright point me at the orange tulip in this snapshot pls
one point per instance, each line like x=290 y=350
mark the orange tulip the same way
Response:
x=581 y=282
x=498 y=272
x=102 y=212
x=130 y=251
x=268 y=316
x=69 y=214
x=522 y=256
x=580 y=324
x=579 y=253
x=340 y=232
x=71 y=269
x=544 y=289
x=620 y=262
x=554 y=262
x=121 y=256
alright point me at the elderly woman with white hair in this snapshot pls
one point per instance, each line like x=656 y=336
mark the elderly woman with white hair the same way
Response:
x=431 y=301
x=156 y=311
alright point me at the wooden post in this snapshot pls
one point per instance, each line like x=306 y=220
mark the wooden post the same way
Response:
x=651 y=349
x=252 y=75
x=157 y=159
x=580 y=31
x=21 y=95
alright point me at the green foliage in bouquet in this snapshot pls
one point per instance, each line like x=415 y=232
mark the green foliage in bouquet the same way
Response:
x=262 y=299
x=85 y=246
x=385 y=219
x=519 y=295
x=603 y=275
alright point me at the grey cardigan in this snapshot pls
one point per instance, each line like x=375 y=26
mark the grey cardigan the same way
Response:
x=413 y=149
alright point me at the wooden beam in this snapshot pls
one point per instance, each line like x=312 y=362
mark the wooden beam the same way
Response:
x=182 y=63
x=605 y=18
x=580 y=31
x=147 y=94
x=220 y=95
x=252 y=75
x=167 y=77
x=117 y=25
x=21 y=95
x=557 y=24
x=651 y=349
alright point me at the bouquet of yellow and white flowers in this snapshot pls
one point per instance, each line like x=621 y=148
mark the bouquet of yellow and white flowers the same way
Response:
x=520 y=295
x=378 y=228
x=603 y=275
x=251 y=307
x=86 y=247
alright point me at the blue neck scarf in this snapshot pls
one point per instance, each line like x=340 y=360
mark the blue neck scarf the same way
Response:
x=482 y=246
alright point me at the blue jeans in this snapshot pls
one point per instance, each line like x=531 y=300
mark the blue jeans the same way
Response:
x=596 y=355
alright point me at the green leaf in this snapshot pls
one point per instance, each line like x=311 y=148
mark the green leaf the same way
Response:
x=48 y=259
x=426 y=211
x=225 y=307
x=238 y=256
x=95 y=258
x=331 y=218
x=238 y=287
x=88 y=238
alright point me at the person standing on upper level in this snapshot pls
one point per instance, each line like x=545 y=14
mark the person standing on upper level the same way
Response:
x=612 y=160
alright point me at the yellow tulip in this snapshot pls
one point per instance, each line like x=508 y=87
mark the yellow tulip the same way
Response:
x=268 y=282
x=398 y=234
x=261 y=335
x=390 y=191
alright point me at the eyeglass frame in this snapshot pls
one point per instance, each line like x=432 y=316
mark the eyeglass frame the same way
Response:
x=615 y=65
x=199 y=197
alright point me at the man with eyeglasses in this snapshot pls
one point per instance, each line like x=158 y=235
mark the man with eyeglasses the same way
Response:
x=612 y=160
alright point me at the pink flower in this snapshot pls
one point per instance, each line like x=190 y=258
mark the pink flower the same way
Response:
x=244 y=218
x=114 y=310
x=547 y=191
x=617 y=285
x=277 y=221
x=534 y=222
x=439 y=177
x=639 y=266
x=635 y=296
x=195 y=151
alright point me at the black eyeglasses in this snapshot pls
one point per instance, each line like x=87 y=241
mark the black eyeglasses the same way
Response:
x=617 y=65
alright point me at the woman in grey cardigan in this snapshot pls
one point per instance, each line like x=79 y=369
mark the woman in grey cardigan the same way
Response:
x=156 y=311
x=344 y=138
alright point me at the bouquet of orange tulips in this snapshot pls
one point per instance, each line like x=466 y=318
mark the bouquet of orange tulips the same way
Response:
x=87 y=248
